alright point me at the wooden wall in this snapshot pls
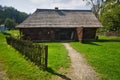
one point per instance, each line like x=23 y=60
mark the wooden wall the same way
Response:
x=51 y=34
x=58 y=34
x=86 y=34
x=89 y=34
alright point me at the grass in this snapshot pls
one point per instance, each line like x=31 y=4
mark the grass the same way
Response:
x=103 y=56
x=57 y=56
x=13 y=32
x=59 y=61
x=18 y=68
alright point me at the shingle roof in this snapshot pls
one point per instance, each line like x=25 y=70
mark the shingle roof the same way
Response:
x=60 y=18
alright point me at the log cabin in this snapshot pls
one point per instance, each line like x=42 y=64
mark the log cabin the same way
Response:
x=59 y=25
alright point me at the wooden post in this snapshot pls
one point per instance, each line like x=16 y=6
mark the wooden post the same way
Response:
x=20 y=34
x=46 y=56
x=80 y=34
x=39 y=51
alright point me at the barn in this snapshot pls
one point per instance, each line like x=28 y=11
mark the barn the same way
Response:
x=59 y=25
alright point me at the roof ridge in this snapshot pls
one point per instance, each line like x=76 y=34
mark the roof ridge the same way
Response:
x=68 y=10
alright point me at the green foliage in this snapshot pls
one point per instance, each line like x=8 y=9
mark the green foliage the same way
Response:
x=108 y=11
x=110 y=16
x=14 y=33
x=10 y=24
x=103 y=56
x=10 y=12
x=35 y=52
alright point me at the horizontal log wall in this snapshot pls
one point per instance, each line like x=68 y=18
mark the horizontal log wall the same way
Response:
x=51 y=34
x=59 y=34
x=89 y=34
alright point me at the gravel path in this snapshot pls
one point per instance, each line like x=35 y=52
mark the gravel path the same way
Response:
x=80 y=70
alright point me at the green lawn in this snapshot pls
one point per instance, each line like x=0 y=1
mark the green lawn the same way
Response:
x=13 y=32
x=103 y=56
x=20 y=69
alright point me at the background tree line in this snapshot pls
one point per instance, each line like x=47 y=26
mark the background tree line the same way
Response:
x=11 y=17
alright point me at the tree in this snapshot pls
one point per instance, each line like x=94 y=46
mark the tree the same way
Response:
x=118 y=1
x=96 y=4
x=12 y=13
x=108 y=12
x=9 y=23
x=110 y=16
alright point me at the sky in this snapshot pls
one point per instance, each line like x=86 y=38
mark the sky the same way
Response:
x=29 y=6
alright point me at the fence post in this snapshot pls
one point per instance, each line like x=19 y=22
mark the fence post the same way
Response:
x=40 y=54
x=46 y=56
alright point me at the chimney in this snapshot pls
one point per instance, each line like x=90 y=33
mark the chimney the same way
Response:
x=56 y=8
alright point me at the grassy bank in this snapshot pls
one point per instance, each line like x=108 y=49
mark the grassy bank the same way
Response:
x=17 y=68
x=103 y=55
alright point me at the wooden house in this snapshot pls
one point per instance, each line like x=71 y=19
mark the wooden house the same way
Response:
x=58 y=25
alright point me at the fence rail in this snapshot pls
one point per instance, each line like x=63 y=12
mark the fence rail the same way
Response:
x=37 y=53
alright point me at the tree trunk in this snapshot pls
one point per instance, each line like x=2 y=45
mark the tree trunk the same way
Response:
x=117 y=1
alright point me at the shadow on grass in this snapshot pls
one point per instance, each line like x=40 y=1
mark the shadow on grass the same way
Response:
x=110 y=40
x=101 y=40
x=50 y=70
x=91 y=43
x=57 y=41
x=8 y=34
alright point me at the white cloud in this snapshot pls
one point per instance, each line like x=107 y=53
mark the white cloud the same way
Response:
x=64 y=4
x=36 y=1
x=30 y=6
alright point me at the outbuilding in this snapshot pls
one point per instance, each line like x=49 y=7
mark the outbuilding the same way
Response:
x=3 y=28
x=58 y=25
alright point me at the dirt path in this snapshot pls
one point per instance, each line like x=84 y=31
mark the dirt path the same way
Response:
x=80 y=69
x=2 y=73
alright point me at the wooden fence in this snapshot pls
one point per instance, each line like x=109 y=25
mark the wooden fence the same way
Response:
x=36 y=53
